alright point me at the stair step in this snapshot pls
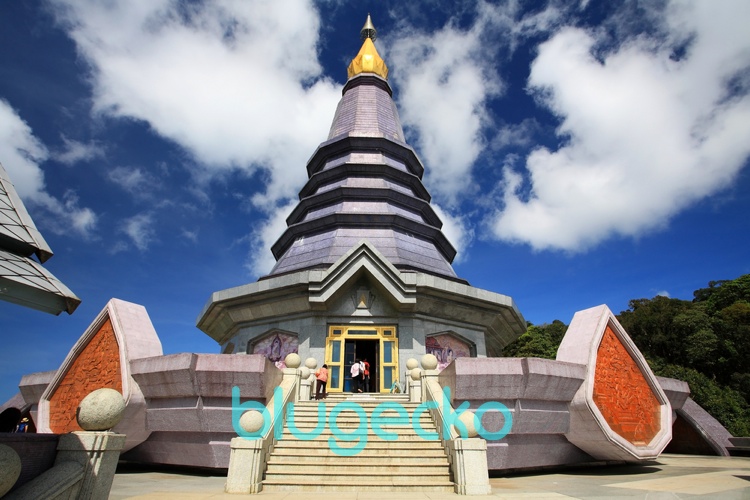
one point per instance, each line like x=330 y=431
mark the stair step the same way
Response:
x=354 y=424
x=373 y=448
x=372 y=444
x=353 y=437
x=348 y=467
x=365 y=405
x=360 y=477
x=408 y=463
x=346 y=419
x=313 y=484
x=362 y=459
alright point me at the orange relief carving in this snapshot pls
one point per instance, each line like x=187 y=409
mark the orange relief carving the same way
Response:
x=96 y=367
x=622 y=393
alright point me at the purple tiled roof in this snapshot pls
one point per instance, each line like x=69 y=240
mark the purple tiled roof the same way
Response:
x=365 y=183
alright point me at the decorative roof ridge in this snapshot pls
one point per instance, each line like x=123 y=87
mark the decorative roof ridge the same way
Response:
x=26 y=239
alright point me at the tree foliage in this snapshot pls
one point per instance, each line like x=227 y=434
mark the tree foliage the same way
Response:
x=705 y=342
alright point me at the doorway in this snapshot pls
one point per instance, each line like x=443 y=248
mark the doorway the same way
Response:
x=365 y=350
x=378 y=345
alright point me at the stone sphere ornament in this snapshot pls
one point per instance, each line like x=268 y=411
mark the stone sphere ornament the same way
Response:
x=415 y=374
x=311 y=363
x=429 y=362
x=411 y=363
x=304 y=373
x=251 y=421
x=292 y=360
x=469 y=420
x=101 y=410
x=10 y=468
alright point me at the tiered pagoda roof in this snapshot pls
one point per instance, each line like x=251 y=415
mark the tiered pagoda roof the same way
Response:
x=365 y=183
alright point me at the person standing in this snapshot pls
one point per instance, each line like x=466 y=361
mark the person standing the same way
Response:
x=321 y=374
x=366 y=374
x=356 y=373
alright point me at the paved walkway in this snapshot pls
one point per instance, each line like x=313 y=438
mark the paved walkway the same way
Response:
x=672 y=476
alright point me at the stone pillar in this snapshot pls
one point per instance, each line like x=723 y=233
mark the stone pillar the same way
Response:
x=469 y=464
x=292 y=362
x=246 y=466
x=411 y=363
x=247 y=460
x=311 y=364
x=305 y=384
x=429 y=373
x=415 y=386
x=98 y=453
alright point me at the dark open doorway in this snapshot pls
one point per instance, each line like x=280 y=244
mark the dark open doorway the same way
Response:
x=362 y=349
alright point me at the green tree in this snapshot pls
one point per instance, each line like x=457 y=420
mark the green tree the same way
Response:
x=538 y=342
x=704 y=342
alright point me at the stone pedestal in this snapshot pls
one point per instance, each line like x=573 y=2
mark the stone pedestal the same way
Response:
x=245 y=466
x=304 y=390
x=98 y=453
x=415 y=391
x=469 y=464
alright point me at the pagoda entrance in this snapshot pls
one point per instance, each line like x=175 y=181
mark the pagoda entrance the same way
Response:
x=377 y=344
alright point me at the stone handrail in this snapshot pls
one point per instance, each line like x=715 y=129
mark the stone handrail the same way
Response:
x=434 y=393
x=289 y=390
x=249 y=457
x=467 y=454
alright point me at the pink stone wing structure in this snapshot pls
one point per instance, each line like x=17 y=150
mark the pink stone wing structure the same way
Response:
x=121 y=333
x=620 y=411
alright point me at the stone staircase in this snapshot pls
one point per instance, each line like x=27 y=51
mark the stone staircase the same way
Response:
x=409 y=463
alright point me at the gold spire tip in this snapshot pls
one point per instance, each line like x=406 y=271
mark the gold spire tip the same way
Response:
x=368 y=30
x=368 y=60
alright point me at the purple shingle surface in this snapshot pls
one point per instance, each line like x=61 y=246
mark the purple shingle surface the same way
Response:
x=364 y=184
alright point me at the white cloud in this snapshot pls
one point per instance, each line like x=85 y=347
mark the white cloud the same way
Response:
x=189 y=235
x=458 y=230
x=237 y=84
x=140 y=230
x=446 y=81
x=133 y=180
x=264 y=236
x=75 y=151
x=443 y=87
x=21 y=153
x=515 y=134
x=644 y=135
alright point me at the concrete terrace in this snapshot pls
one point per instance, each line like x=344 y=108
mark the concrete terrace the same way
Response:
x=669 y=477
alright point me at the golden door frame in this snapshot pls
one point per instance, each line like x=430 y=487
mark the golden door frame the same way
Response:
x=338 y=368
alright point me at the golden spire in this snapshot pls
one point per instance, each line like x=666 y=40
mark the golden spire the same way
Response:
x=368 y=60
x=368 y=30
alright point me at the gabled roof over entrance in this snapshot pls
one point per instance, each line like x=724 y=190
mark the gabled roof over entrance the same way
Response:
x=305 y=292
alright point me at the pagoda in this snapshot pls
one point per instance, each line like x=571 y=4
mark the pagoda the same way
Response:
x=363 y=269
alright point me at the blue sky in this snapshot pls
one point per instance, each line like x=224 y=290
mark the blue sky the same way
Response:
x=578 y=153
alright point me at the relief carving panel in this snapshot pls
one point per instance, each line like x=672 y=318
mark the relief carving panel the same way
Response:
x=622 y=394
x=96 y=367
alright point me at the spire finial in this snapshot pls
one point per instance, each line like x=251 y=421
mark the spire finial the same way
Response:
x=368 y=60
x=368 y=30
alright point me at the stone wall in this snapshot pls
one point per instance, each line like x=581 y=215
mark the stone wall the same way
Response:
x=189 y=404
x=537 y=393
